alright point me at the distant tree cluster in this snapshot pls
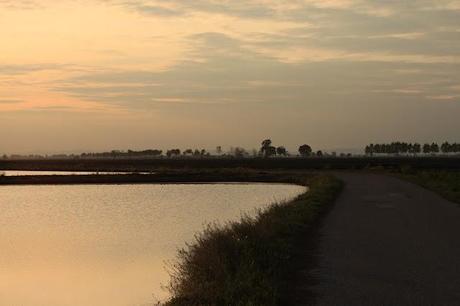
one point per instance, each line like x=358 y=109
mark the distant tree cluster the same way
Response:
x=450 y=147
x=237 y=152
x=195 y=153
x=411 y=148
x=148 y=154
x=173 y=153
x=267 y=150
x=121 y=154
x=393 y=148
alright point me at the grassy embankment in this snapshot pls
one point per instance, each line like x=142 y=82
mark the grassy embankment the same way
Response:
x=445 y=183
x=251 y=262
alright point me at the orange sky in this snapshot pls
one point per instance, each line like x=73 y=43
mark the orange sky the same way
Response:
x=336 y=73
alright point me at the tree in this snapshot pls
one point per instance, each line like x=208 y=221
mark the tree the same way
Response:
x=446 y=147
x=426 y=148
x=434 y=148
x=319 y=153
x=267 y=149
x=455 y=148
x=266 y=143
x=369 y=150
x=271 y=151
x=417 y=148
x=173 y=152
x=188 y=152
x=281 y=151
x=219 y=150
x=305 y=150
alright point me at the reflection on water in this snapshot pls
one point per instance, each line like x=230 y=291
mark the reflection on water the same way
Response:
x=31 y=173
x=106 y=244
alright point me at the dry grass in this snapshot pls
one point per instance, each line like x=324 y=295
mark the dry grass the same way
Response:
x=248 y=262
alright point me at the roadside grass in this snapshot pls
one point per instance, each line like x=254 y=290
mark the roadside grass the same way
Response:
x=248 y=262
x=445 y=183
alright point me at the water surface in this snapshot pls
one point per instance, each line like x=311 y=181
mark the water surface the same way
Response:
x=106 y=244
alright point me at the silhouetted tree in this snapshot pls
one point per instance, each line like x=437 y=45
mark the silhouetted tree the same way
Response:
x=281 y=151
x=446 y=147
x=271 y=151
x=369 y=150
x=319 y=153
x=305 y=150
x=267 y=149
x=173 y=152
x=417 y=148
x=434 y=148
x=266 y=143
x=450 y=148
x=426 y=148
x=188 y=152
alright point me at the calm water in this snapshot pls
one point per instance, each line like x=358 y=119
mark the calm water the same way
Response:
x=107 y=244
x=31 y=173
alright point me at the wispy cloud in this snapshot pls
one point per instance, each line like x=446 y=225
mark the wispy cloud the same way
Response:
x=10 y=101
x=444 y=97
x=20 y=4
x=156 y=9
x=18 y=69
x=295 y=62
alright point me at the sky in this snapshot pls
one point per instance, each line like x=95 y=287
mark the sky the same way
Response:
x=94 y=75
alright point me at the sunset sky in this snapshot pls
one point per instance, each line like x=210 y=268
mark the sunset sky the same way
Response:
x=91 y=75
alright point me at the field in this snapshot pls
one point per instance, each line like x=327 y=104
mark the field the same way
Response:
x=153 y=164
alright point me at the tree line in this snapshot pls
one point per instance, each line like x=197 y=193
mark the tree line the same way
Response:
x=268 y=150
x=147 y=153
x=411 y=148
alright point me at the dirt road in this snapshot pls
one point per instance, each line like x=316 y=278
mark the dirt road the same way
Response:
x=388 y=242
